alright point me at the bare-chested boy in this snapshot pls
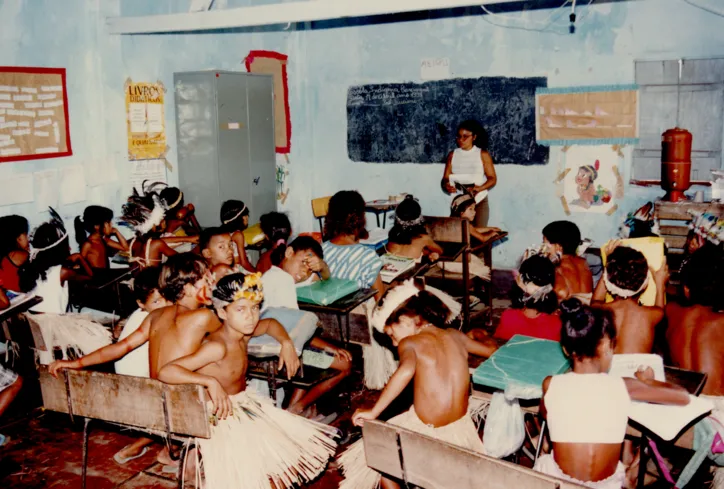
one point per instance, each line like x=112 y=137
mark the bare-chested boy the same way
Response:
x=626 y=277
x=695 y=334
x=259 y=445
x=437 y=360
x=573 y=277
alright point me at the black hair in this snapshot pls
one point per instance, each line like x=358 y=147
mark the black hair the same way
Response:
x=627 y=268
x=93 y=215
x=346 y=215
x=179 y=270
x=12 y=228
x=138 y=209
x=563 y=233
x=460 y=204
x=540 y=271
x=481 y=135
x=424 y=305
x=300 y=243
x=404 y=230
x=232 y=215
x=145 y=283
x=172 y=196
x=703 y=274
x=276 y=226
x=45 y=235
x=584 y=328
x=209 y=233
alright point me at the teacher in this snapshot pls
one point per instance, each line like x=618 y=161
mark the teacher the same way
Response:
x=471 y=167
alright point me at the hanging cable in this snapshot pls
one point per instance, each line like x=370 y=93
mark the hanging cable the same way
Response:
x=705 y=9
x=549 y=22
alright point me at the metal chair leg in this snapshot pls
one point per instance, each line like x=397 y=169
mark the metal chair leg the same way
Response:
x=642 y=461
x=540 y=441
x=182 y=463
x=84 y=471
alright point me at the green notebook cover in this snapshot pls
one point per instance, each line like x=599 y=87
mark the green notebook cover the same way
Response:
x=522 y=360
x=326 y=292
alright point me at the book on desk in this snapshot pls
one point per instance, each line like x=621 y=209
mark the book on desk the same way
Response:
x=326 y=292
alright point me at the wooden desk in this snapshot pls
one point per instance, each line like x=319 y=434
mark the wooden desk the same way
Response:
x=20 y=307
x=675 y=232
x=103 y=291
x=337 y=315
x=380 y=207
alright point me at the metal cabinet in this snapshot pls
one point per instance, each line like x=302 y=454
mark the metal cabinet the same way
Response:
x=225 y=139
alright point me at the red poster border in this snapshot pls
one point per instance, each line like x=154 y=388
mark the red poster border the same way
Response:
x=287 y=114
x=43 y=71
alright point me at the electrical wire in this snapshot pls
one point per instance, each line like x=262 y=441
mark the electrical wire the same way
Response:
x=509 y=17
x=705 y=9
x=548 y=22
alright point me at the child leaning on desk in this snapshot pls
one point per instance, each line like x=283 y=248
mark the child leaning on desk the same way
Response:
x=94 y=233
x=408 y=237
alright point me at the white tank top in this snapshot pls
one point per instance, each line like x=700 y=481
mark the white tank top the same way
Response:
x=587 y=408
x=54 y=294
x=467 y=166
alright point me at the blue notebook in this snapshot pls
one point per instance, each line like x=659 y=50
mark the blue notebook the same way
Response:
x=522 y=360
x=326 y=292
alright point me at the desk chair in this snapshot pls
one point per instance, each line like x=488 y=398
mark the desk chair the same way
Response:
x=320 y=208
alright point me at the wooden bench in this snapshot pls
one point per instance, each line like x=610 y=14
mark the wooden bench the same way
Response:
x=432 y=464
x=177 y=412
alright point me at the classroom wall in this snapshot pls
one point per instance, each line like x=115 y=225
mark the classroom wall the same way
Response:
x=324 y=60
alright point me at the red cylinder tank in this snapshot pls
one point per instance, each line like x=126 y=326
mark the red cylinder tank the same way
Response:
x=676 y=163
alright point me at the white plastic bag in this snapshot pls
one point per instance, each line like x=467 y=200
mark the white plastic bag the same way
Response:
x=504 y=431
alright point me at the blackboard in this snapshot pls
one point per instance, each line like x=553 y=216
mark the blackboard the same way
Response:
x=416 y=122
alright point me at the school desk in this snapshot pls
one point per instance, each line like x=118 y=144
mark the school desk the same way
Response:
x=337 y=316
x=104 y=292
x=378 y=207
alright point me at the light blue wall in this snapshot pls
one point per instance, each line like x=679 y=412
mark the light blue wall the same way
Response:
x=323 y=63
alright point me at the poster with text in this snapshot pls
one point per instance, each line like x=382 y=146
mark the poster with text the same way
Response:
x=145 y=120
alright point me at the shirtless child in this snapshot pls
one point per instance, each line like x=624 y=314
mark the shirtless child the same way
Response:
x=294 y=450
x=626 y=278
x=437 y=359
x=573 y=277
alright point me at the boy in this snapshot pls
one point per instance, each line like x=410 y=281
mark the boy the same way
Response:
x=217 y=249
x=437 y=359
x=573 y=277
x=260 y=445
x=626 y=278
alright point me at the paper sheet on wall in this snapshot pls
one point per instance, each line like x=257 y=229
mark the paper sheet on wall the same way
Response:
x=590 y=185
x=46 y=189
x=145 y=120
x=147 y=170
x=16 y=189
x=72 y=184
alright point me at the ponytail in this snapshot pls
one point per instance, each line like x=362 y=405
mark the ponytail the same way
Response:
x=277 y=253
x=80 y=234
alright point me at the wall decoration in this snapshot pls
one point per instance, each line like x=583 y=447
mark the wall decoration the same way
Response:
x=275 y=64
x=145 y=120
x=416 y=122
x=587 y=115
x=34 y=119
x=591 y=180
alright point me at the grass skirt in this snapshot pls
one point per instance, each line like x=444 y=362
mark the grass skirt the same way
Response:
x=69 y=331
x=261 y=447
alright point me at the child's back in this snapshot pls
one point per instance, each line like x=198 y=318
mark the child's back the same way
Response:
x=635 y=325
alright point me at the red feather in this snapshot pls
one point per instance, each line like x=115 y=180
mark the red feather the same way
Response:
x=597 y=165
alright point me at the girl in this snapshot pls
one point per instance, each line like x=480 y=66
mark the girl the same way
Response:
x=408 y=237
x=94 y=246
x=534 y=304
x=180 y=219
x=463 y=206
x=587 y=411
x=277 y=228
x=573 y=277
x=234 y=219
x=469 y=164
x=346 y=258
x=51 y=266
x=14 y=249
x=145 y=214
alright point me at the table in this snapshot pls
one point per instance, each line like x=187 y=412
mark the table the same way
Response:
x=380 y=207
x=20 y=307
x=341 y=310
x=103 y=292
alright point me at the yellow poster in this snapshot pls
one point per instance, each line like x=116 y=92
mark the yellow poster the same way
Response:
x=145 y=120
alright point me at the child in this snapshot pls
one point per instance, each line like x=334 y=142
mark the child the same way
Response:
x=587 y=411
x=145 y=214
x=463 y=206
x=254 y=444
x=217 y=249
x=180 y=219
x=694 y=334
x=234 y=219
x=277 y=228
x=94 y=247
x=471 y=164
x=10 y=385
x=51 y=266
x=534 y=304
x=408 y=237
x=292 y=265
x=573 y=277
x=437 y=359
x=626 y=278
x=346 y=258
x=14 y=249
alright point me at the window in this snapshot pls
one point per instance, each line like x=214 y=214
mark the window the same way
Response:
x=696 y=100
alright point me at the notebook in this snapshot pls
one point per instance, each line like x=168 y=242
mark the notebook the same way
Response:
x=522 y=361
x=393 y=266
x=377 y=238
x=254 y=234
x=326 y=292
